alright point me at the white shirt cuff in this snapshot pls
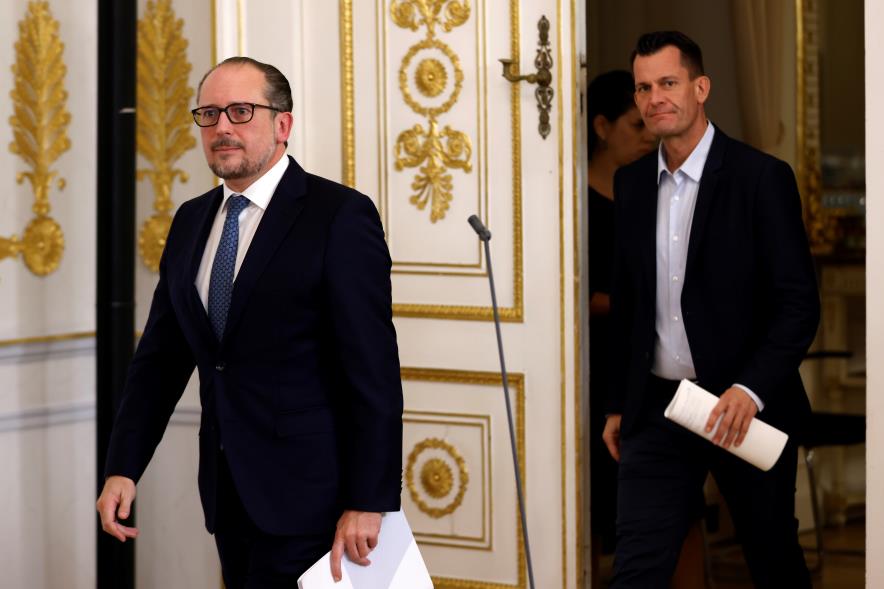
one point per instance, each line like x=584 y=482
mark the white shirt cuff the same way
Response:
x=752 y=395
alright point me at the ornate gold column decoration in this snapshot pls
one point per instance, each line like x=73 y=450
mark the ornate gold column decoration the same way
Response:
x=425 y=68
x=163 y=132
x=822 y=230
x=39 y=129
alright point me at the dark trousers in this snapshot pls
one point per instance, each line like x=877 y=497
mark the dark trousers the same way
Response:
x=662 y=467
x=252 y=559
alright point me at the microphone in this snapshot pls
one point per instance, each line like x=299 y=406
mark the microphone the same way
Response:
x=485 y=236
x=479 y=228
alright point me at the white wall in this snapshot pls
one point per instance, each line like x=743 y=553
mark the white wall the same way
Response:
x=875 y=293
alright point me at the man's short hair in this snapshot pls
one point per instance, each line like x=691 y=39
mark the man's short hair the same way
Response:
x=277 y=91
x=691 y=55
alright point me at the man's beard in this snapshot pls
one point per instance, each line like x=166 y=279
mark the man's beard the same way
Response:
x=245 y=168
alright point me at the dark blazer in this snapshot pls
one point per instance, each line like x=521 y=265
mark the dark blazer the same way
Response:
x=749 y=301
x=303 y=392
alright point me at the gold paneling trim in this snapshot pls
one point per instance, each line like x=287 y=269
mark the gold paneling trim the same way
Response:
x=240 y=42
x=213 y=34
x=462 y=312
x=563 y=424
x=484 y=426
x=46 y=339
x=442 y=311
x=348 y=115
x=382 y=174
x=39 y=124
x=517 y=382
x=163 y=121
x=822 y=228
x=578 y=320
x=514 y=314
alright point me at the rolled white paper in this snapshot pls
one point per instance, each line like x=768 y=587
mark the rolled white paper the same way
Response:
x=690 y=408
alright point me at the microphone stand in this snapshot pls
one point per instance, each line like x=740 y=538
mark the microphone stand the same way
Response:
x=485 y=237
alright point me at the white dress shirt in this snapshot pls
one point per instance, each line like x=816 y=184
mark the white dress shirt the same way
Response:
x=676 y=200
x=259 y=194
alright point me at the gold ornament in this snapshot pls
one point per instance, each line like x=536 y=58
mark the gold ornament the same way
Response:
x=430 y=77
x=436 y=477
x=43 y=245
x=39 y=129
x=437 y=152
x=152 y=239
x=411 y=14
x=164 y=124
x=433 y=184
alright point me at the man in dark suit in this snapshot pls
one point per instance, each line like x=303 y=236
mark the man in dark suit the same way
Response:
x=713 y=282
x=276 y=286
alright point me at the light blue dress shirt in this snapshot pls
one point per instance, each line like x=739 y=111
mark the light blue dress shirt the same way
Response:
x=676 y=200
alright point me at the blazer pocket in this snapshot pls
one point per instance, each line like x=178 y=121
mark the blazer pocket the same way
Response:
x=317 y=420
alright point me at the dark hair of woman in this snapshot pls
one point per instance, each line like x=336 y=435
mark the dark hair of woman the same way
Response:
x=611 y=95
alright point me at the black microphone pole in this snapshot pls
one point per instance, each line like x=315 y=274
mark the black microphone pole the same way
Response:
x=485 y=237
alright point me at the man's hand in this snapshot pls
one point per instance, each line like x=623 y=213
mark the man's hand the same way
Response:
x=736 y=409
x=611 y=435
x=116 y=502
x=357 y=533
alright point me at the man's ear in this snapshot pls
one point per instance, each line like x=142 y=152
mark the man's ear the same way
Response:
x=702 y=87
x=283 y=123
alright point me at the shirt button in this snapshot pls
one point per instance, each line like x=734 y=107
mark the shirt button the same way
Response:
x=676 y=198
x=220 y=367
x=677 y=357
x=675 y=318
x=675 y=238
x=675 y=279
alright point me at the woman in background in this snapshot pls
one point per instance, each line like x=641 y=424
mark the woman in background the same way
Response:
x=616 y=136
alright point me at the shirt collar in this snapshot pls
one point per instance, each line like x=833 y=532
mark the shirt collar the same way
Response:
x=693 y=166
x=261 y=190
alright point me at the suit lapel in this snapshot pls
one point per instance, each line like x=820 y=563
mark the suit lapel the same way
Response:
x=197 y=310
x=284 y=208
x=647 y=224
x=706 y=195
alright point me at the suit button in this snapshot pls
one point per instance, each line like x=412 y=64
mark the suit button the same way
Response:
x=220 y=367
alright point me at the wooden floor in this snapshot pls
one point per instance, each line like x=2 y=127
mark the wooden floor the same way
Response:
x=838 y=571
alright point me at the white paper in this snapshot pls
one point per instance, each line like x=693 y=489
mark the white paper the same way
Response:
x=396 y=563
x=690 y=408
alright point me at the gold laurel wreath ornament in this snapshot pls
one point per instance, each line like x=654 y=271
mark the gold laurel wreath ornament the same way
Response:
x=39 y=128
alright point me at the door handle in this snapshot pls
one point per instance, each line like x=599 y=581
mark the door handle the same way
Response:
x=543 y=62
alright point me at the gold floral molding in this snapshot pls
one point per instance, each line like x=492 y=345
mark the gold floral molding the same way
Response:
x=163 y=132
x=433 y=151
x=39 y=128
x=436 y=477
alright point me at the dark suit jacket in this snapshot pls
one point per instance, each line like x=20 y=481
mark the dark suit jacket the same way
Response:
x=749 y=301
x=304 y=391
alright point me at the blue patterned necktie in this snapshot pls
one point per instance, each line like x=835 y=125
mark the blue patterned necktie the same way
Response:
x=221 y=281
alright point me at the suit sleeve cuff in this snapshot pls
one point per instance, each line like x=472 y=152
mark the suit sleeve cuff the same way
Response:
x=752 y=395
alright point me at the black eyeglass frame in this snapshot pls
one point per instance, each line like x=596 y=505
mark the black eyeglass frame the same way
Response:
x=196 y=113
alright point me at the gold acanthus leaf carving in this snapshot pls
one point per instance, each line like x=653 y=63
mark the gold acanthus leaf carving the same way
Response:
x=439 y=151
x=411 y=14
x=164 y=124
x=40 y=118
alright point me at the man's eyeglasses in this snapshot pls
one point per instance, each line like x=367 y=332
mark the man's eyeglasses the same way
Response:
x=237 y=113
